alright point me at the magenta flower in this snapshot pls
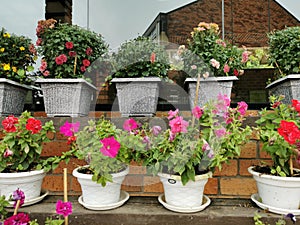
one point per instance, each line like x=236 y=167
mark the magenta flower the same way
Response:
x=18 y=195
x=68 y=129
x=156 y=130
x=63 y=208
x=220 y=132
x=19 y=219
x=110 y=147
x=69 y=45
x=178 y=125
x=171 y=136
x=197 y=112
x=242 y=107
x=172 y=114
x=130 y=125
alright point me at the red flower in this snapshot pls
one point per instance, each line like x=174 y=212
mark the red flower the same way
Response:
x=9 y=124
x=34 y=125
x=61 y=59
x=72 y=53
x=296 y=105
x=276 y=104
x=152 y=57
x=71 y=140
x=86 y=62
x=235 y=72
x=39 y=42
x=82 y=68
x=89 y=51
x=289 y=131
x=69 y=45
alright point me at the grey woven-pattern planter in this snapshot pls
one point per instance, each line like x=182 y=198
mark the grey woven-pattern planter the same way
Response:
x=209 y=89
x=288 y=86
x=67 y=97
x=12 y=97
x=137 y=96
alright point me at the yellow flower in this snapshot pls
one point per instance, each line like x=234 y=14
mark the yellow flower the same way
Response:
x=2 y=49
x=22 y=48
x=6 y=35
x=6 y=66
x=14 y=69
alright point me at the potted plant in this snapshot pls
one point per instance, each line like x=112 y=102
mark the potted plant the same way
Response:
x=21 y=165
x=279 y=184
x=17 y=56
x=285 y=57
x=137 y=69
x=213 y=61
x=102 y=146
x=186 y=154
x=71 y=56
x=18 y=199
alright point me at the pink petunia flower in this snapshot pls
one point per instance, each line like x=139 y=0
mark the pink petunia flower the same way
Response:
x=110 y=147
x=156 y=130
x=130 y=125
x=197 y=112
x=242 y=107
x=68 y=129
x=63 y=208
x=220 y=132
x=178 y=125
x=172 y=114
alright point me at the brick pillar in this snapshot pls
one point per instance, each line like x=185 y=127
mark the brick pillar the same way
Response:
x=61 y=10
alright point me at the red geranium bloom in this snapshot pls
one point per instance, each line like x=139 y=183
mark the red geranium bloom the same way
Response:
x=69 y=45
x=289 y=131
x=152 y=57
x=86 y=62
x=61 y=59
x=82 y=68
x=34 y=125
x=72 y=53
x=296 y=105
x=110 y=147
x=9 y=124
x=235 y=72
x=89 y=51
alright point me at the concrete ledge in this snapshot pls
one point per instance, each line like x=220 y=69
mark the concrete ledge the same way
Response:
x=148 y=211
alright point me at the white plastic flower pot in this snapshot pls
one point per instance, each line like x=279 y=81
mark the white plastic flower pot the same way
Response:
x=94 y=194
x=179 y=195
x=29 y=182
x=278 y=192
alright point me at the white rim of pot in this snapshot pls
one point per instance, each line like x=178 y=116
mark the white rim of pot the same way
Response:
x=228 y=78
x=18 y=174
x=291 y=76
x=75 y=173
x=177 y=177
x=16 y=83
x=137 y=79
x=65 y=80
x=250 y=170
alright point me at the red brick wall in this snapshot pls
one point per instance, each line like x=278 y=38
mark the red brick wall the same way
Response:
x=246 y=22
x=233 y=181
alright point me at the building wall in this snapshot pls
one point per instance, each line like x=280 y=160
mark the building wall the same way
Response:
x=246 y=22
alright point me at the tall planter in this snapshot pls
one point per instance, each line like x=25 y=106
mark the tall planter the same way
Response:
x=278 y=194
x=137 y=96
x=29 y=182
x=184 y=198
x=67 y=97
x=288 y=86
x=209 y=88
x=12 y=97
x=96 y=197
